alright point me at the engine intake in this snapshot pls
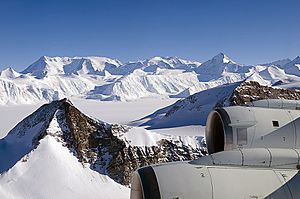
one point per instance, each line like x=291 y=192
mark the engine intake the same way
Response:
x=144 y=184
x=218 y=132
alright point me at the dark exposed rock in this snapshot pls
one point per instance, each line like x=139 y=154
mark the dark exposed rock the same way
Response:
x=99 y=144
x=133 y=157
x=252 y=91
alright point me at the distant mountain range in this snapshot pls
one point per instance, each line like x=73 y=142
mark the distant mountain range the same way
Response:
x=103 y=78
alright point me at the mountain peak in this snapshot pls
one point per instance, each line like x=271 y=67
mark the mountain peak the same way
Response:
x=10 y=69
x=43 y=114
x=297 y=58
x=219 y=65
x=44 y=57
x=292 y=67
x=221 y=57
x=59 y=119
x=9 y=73
x=293 y=62
x=163 y=58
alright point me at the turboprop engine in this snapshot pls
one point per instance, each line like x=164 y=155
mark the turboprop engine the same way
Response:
x=254 y=153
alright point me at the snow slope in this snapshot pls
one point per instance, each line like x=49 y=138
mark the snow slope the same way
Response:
x=192 y=110
x=135 y=86
x=139 y=136
x=52 y=171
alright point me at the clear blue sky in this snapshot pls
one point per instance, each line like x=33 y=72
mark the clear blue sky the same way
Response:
x=249 y=31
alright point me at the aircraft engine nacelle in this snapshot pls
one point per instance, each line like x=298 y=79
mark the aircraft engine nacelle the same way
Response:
x=263 y=124
x=254 y=152
x=242 y=173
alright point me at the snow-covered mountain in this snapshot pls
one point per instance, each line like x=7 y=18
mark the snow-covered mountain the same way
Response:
x=135 y=86
x=194 y=109
x=220 y=65
x=103 y=78
x=293 y=67
x=9 y=73
x=156 y=63
x=278 y=63
x=47 y=66
x=59 y=152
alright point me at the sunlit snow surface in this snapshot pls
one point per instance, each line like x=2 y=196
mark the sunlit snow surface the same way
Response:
x=51 y=171
x=111 y=112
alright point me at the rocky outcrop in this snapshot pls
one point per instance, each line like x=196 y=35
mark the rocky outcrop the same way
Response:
x=130 y=158
x=99 y=144
x=252 y=91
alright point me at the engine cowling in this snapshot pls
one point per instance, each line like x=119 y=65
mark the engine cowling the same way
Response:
x=262 y=125
x=254 y=153
x=218 y=179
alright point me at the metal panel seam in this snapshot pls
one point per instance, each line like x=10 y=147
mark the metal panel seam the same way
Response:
x=270 y=156
x=298 y=162
x=243 y=158
x=295 y=129
x=211 y=183
x=254 y=129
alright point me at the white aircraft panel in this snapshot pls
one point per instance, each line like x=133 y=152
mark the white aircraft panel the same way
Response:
x=183 y=181
x=284 y=158
x=256 y=157
x=243 y=183
x=295 y=115
x=233 y=157
x=273 y=128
